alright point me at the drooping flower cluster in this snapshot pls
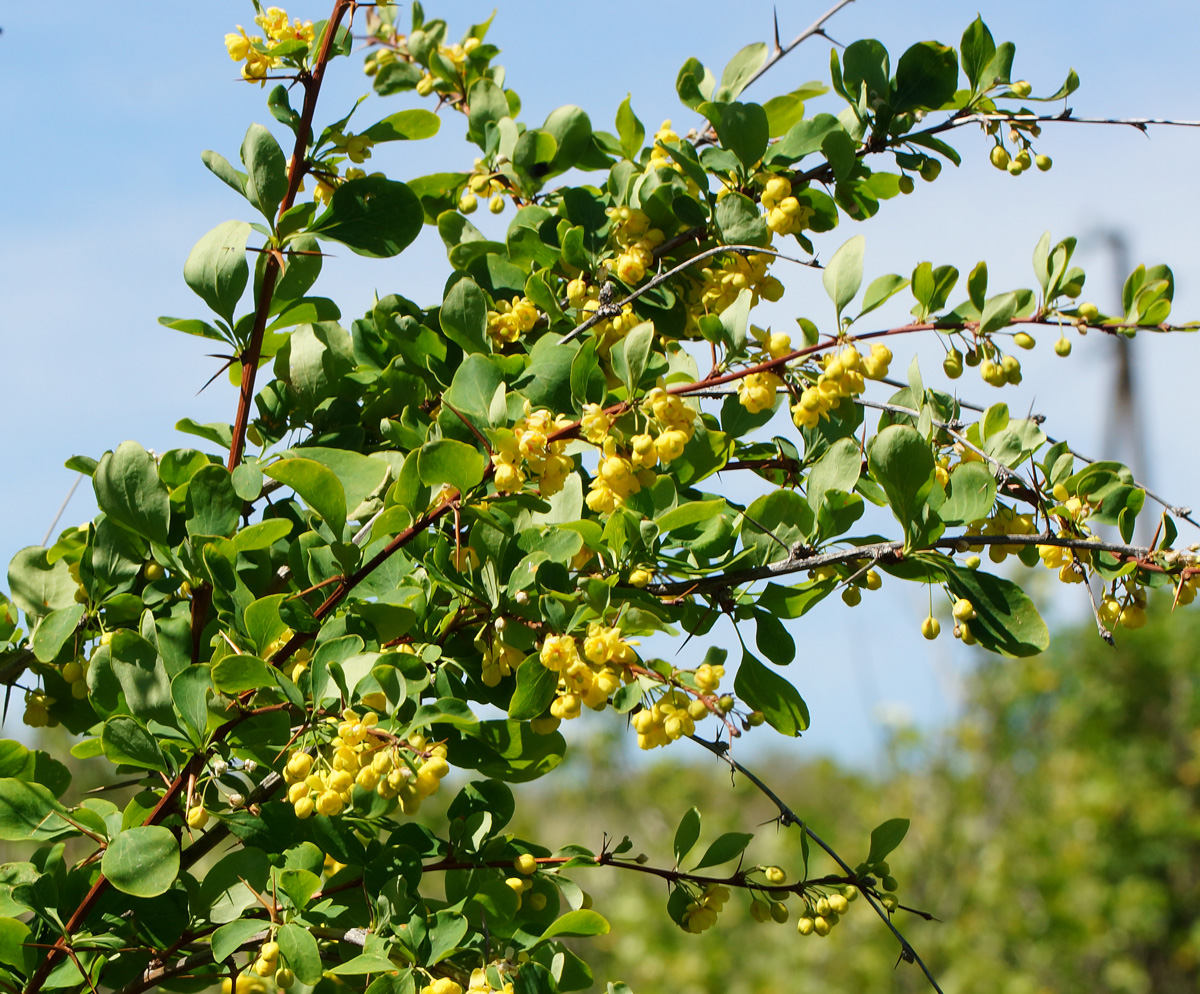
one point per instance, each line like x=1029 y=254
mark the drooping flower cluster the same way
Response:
x=511 y=319
x=589 y=678
x=255 y=52
x=726 y=276
x=356 y=756
x=669 y=718
x=499 y=660
x=636 y=240
x=821 y=915
x=1004 y=520
x=701 y=914
x=844 y=375
x=785 y=213
x=526 y=449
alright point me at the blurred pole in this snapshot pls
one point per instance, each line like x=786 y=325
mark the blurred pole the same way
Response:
x=1124 y=435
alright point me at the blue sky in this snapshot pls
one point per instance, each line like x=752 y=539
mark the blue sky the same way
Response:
x=105 y=194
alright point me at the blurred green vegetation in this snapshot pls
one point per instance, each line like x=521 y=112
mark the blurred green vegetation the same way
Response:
x=1055 y=834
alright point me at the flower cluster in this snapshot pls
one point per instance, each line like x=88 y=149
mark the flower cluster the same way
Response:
x=701 y=914
x=616 y=479
x=821 y=915
x=37 y=709
x=511 y=319
x=844 y=375
x=499 y=660
x=357 y=757
x=526 y=449
x=1004 y=520
x=356 y=148
x=725 y=277
x=255 y=52
x=1064 y=560
x=588 y=678
x=785 y=213
x=482 y=183
x=671 y=717
x=637 y=241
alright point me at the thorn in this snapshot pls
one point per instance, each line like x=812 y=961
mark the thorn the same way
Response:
x=775 y=17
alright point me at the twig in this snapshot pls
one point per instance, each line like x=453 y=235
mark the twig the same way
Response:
x=789 y=817
x=812 y=29
x=62 y=507
x=886 y=552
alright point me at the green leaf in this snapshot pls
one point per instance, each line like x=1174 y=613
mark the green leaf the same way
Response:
x=804 y=138
x=970 y=495
x=363 y=963
x=266 y=170
x=837 y=469
x=216 y=269
x=213 y=506
x=143 y=862
x=300 y=949
x=886 y=837
x=724 y=848
x=843 y=273
x=190 y=689
x=926 y=77
x=448 y=461
x=978 y=48
x=686 y=835
x=631 y=353
x=694 y=84
x=690 y=513
x=741 y=128
x=536 y=688
x=572 y=133
x=768 y=692
x=372 y=216
x=998 y=313
x=126 y=742
x=317 y=486
x=29 y=813
x=224 y=171
x=130 y=492
x=37 y=586
x=55 y=629
x=1006 y=619
x=739 y=221
x=630 y=130
x=405 y=125
x=774 y=523
x=901 y=462
x=142 y=676
x=977 y=283
x=577 y=924
x=866 y=62
x=464 y=316
x=262 y=534
x=880 y=291
x=488 y=106
x=234 y=673
x=227 y=939
x=741 y=69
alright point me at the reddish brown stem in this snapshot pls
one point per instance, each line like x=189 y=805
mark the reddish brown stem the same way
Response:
x=311 y=81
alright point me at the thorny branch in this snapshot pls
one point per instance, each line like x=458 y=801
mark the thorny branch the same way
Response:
x=789 y=817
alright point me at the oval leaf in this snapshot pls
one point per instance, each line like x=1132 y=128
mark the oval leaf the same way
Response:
x=142 y=861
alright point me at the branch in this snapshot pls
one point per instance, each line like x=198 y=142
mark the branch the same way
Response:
x=311 y=82
x=890 y=552
x=812 y=29
x=789 y=817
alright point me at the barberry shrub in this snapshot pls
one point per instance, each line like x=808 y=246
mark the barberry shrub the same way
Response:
x=431 y=535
